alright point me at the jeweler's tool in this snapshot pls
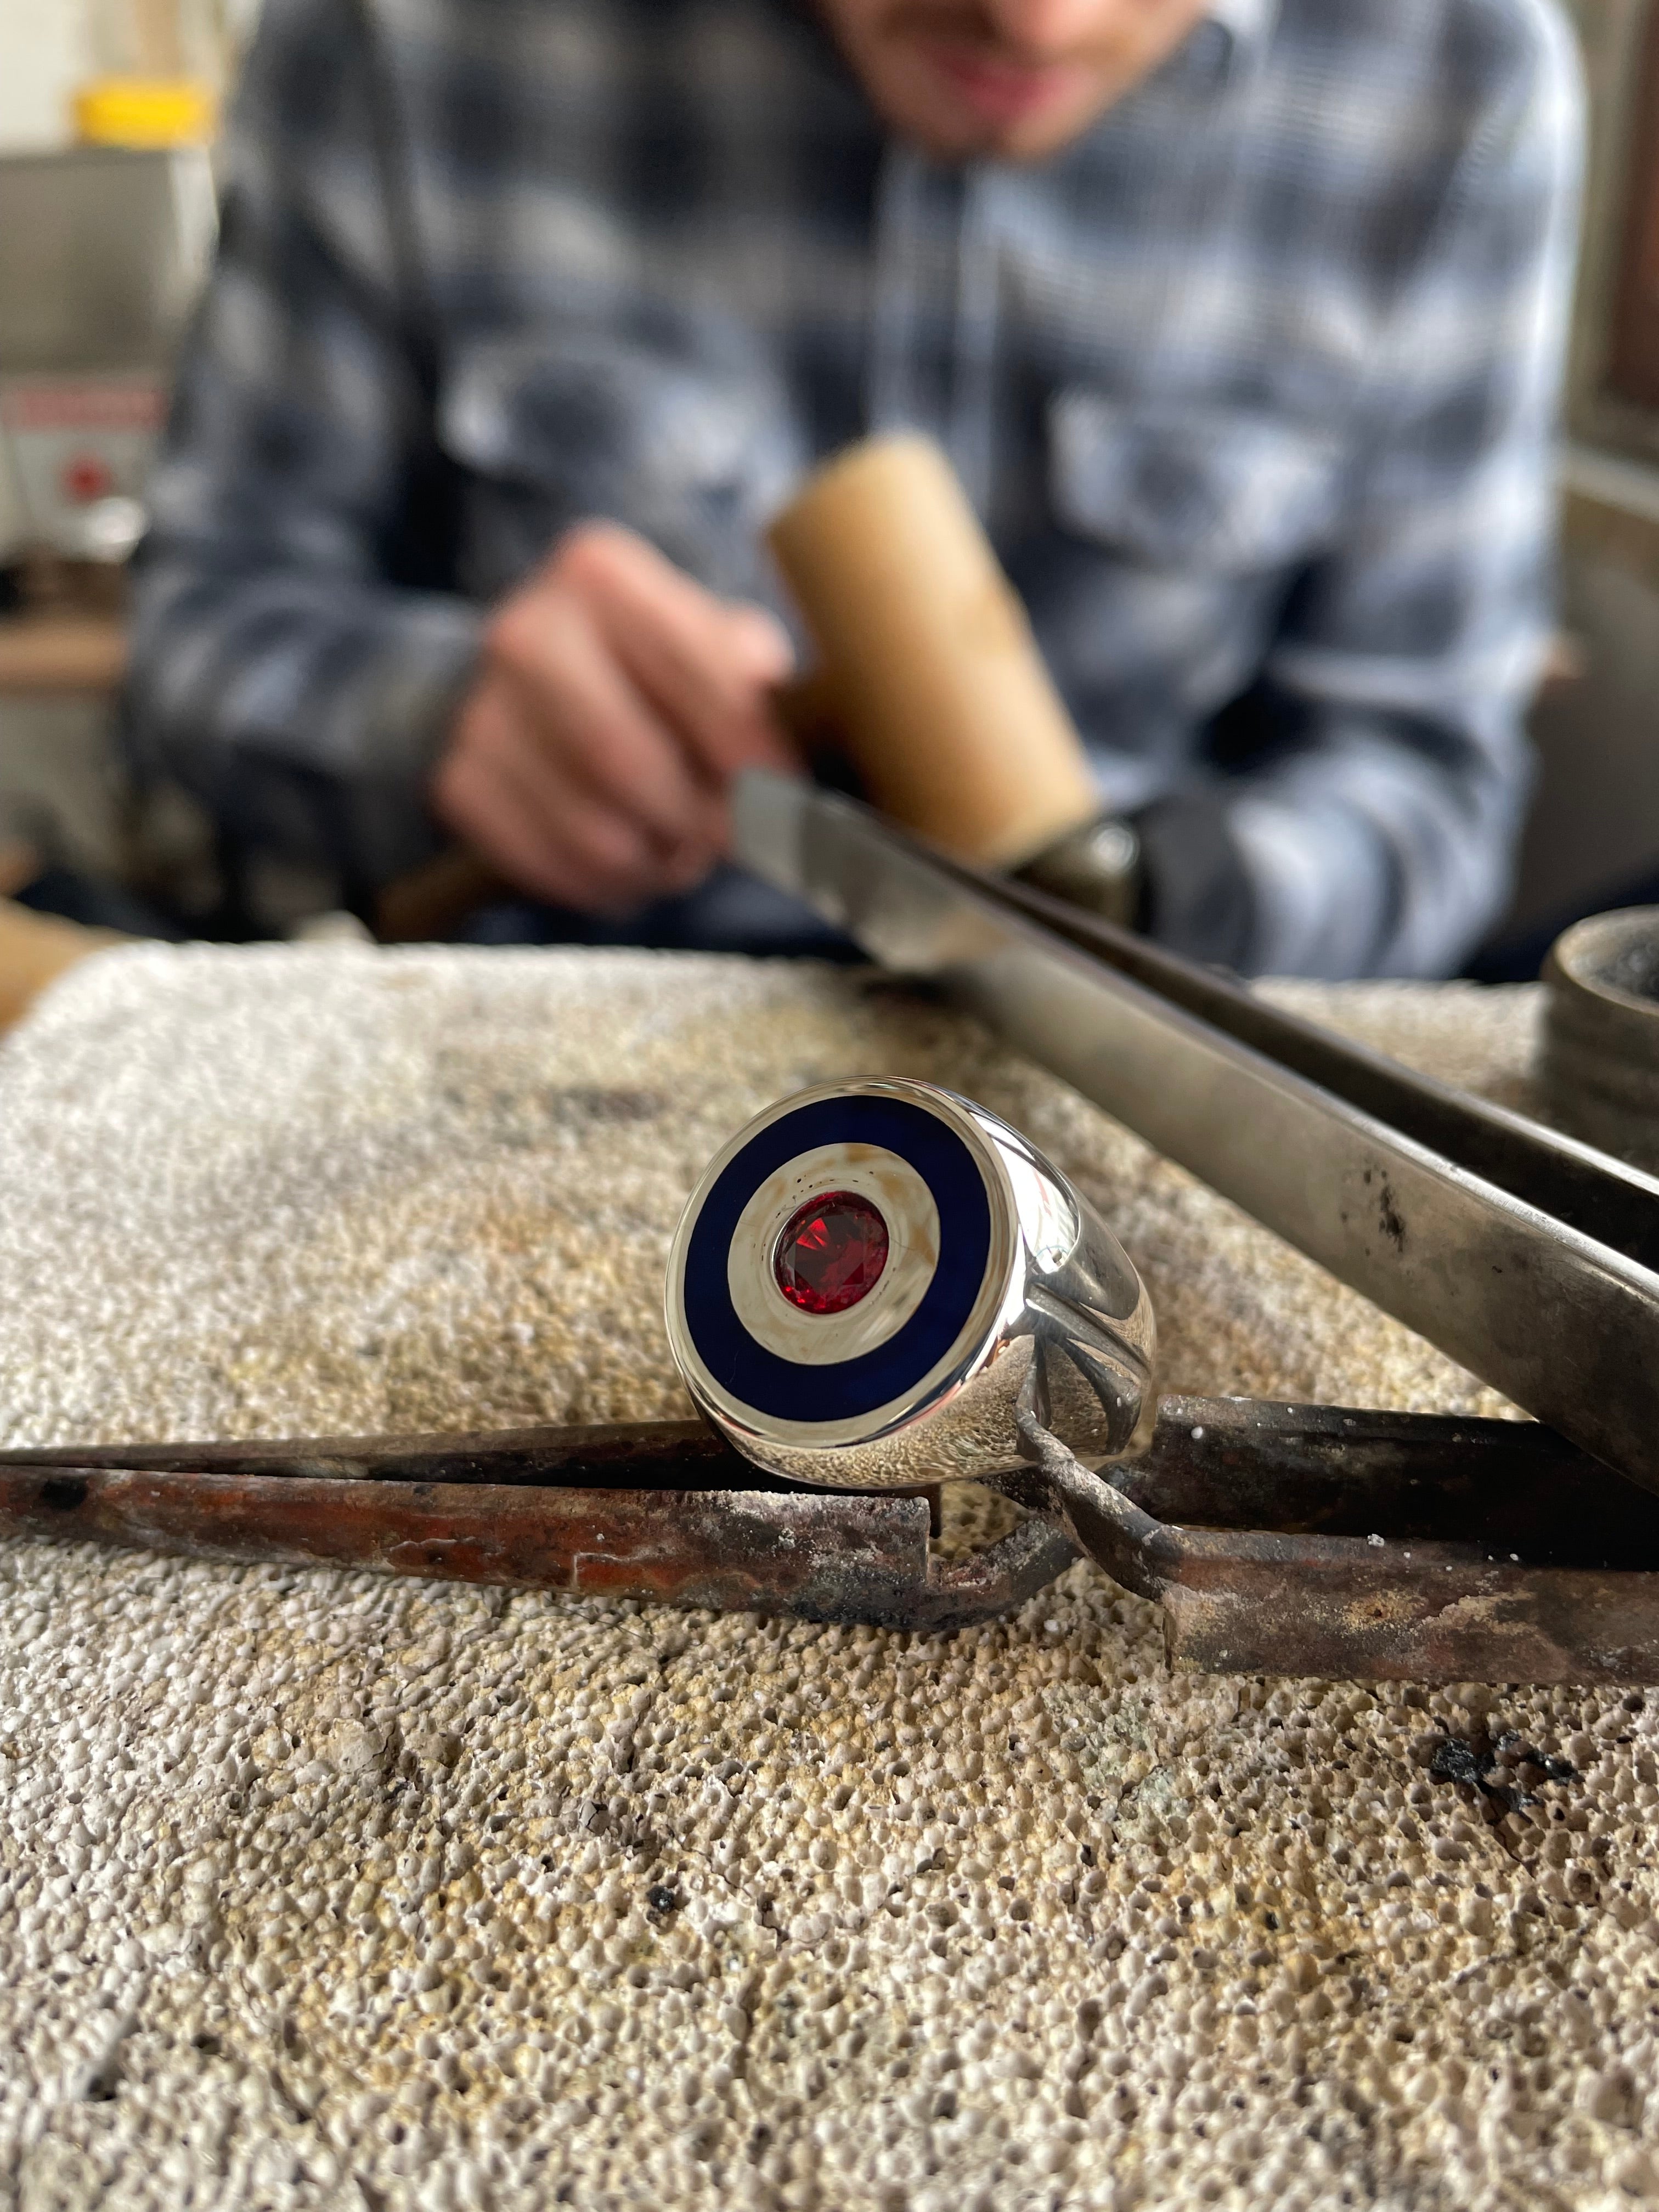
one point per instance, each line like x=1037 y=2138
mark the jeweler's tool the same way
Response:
x=1277 y=1540
x=929 y=677
x=1524 y=1253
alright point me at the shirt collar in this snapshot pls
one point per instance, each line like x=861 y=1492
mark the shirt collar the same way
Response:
x=1247 y=25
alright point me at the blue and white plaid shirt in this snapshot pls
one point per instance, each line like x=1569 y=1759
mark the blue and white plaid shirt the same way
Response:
x=1254 y=384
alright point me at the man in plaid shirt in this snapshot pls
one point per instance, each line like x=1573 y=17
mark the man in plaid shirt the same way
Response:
x=1241 y=319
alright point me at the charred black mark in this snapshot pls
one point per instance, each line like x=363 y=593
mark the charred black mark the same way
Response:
x=587 y=1103
x=63 y=1494
x=1388 y=1218
x=1454 y=1761
x=1505 y=1769
x=518 y=1117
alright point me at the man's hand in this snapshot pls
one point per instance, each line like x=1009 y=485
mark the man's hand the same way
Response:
x=615 y=700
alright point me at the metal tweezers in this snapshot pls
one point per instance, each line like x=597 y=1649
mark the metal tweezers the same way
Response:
x=1276 y=1539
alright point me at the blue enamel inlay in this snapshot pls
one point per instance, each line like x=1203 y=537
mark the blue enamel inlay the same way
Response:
x=783 y=1388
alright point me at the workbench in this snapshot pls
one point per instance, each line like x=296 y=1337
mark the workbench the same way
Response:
x=323 y=1888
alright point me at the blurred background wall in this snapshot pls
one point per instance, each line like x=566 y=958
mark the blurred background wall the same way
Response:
x=43 y=56
x=77 y=392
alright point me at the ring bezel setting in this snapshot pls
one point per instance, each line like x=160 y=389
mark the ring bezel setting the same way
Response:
x=1001 y=1290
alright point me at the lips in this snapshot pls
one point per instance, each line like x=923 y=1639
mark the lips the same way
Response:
x=999 y=91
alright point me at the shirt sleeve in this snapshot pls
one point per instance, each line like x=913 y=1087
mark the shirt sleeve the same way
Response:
x=297 y=650
x=1372 y=832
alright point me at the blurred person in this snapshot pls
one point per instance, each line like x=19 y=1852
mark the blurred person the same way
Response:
x=1241 y=319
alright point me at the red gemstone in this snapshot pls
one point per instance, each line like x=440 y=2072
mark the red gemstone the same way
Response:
x=831 y=1253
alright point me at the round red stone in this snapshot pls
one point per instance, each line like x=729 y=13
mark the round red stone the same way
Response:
x=831 y=1253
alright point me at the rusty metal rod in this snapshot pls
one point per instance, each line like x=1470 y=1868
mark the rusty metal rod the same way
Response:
x=1214 y=1462
x=1385 y=1546
x=1276 y=1539
x=607 y=1455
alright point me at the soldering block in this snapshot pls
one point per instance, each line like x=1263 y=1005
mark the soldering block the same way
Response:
x=327 y=1889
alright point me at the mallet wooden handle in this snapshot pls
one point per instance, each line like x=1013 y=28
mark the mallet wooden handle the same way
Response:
x=940 y=694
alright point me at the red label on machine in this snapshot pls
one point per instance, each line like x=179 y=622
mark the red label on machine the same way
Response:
x=82 y=402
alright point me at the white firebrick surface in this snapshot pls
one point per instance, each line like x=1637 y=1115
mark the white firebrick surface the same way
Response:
x=331 y=1890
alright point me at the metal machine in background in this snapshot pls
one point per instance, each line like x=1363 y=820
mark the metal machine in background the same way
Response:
x=103 y=252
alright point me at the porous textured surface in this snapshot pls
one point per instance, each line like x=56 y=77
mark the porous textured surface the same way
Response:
x=324 y=1889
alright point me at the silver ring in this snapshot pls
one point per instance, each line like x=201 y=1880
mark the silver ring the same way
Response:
x=873 y=1283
